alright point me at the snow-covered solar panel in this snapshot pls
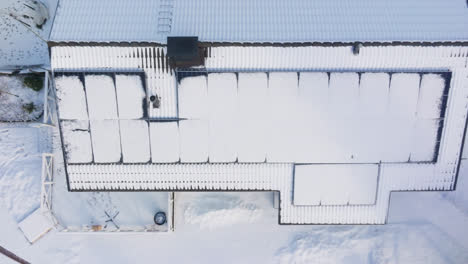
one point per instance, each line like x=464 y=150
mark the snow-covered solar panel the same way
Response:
x=343 y=95
x=313 y=117
x=282 y=110
x=193 y=97
x=340 y=120
x=100 y=94
x=134 y=136
x=71 y=97
x=400 y=123
x=424 y=143
x=252 y=127
x=130 y=96
x=404 y=91
x=222 y=103
x=164 y=137
x=302 y=117
x=194 y=138
x=372 y=115
x=335 y=184
x=431 y=96
x=312 y=108
x=105 y=136
x=373 y=95
x=77 y=141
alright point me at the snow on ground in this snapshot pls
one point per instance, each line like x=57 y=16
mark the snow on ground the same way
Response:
x=18 y=45
x=20 y=189
x=460 y=197
x=20 y=170
x=220 y=210
x=369 y=244
x=14 y=95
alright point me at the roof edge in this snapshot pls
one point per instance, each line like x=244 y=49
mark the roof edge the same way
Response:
x=264 y=44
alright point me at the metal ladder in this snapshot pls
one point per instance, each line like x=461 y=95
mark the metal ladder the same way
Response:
x=165 y=16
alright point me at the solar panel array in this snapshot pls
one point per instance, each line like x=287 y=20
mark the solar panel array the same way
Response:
x=300 y=117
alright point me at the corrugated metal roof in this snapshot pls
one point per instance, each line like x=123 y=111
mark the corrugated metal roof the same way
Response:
x=321 y=21
x=261 y=20
x=106 y=20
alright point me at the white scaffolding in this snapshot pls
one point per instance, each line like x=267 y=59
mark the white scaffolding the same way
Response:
x=47 y=182
x=49 y=117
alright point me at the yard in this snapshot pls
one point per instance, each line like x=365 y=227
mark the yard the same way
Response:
x=21 y=97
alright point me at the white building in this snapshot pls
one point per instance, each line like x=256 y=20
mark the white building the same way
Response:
x=334 y=105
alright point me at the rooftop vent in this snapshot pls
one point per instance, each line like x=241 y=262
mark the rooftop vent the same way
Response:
x=184 y=51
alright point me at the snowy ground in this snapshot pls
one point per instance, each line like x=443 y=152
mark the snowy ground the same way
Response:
x=237 y=227
x=14 y=95
x=19 y=46
x=20 y=169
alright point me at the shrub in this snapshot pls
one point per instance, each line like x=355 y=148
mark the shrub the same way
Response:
x=34 y=82
x=29 y=107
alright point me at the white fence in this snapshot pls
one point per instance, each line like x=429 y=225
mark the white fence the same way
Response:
x=47 y=183
x=49 y=117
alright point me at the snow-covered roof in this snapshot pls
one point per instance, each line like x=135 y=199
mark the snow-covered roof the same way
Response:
x=332 y=184
x=301 y=117
x=389 y=119
x=261 y=20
